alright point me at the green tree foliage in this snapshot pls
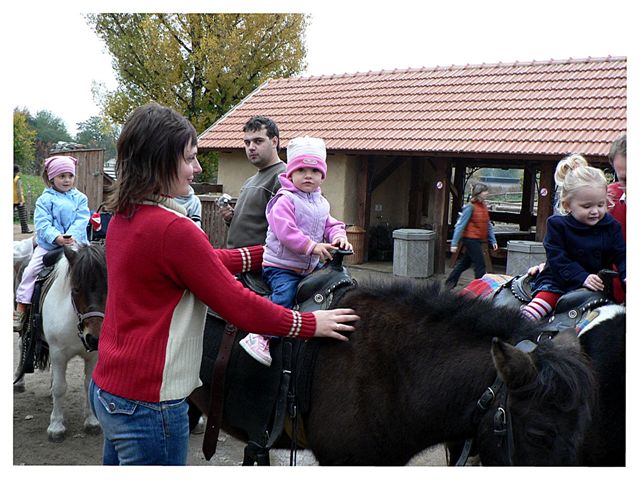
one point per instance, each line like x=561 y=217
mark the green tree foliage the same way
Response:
x=50 y=130
x=99 y=132
x=199 y=64
x=24 y=136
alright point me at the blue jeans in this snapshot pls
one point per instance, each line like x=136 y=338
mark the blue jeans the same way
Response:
x=141 y=433
x=283 y=284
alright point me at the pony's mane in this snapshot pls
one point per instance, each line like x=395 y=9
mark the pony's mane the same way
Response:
x=429 y=302
x=90 y=262
x=565 y=377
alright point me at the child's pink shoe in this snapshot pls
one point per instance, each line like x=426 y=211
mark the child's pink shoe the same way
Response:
x=258 y=347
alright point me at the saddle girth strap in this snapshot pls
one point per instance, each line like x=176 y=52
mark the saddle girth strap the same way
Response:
x=280 y=409
x=216 y=402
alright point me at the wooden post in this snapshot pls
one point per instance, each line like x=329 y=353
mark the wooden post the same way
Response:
x=441 y=211
x=545 y=195
x=458 y=184
x=364 y=199
x=527 y=199
x=416 y=192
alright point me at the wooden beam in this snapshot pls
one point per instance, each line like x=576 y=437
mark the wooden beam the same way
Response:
x=508 y=217
x=416 y=192
x=545 y=195
x=441 y=212
x=383 y=174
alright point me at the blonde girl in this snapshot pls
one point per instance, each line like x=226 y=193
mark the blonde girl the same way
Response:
x=581 y=239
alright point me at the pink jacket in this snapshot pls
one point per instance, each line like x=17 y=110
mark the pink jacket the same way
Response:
x=297 y=222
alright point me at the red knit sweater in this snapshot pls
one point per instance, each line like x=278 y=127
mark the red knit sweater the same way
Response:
x=162 y=271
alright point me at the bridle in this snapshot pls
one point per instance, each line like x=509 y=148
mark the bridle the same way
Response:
x=82 y=316
x=502 y=424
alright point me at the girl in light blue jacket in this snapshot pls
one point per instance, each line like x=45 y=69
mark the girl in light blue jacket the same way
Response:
x=61 y=217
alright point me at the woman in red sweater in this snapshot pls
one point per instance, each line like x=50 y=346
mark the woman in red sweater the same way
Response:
x=162 y=274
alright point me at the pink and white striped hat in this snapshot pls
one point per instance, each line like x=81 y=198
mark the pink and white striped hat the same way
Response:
x=308 y=152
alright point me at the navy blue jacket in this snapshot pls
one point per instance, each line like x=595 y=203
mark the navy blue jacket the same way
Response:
x=575 y=250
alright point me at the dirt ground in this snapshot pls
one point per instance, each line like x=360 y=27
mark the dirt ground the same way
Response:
x=31 y=410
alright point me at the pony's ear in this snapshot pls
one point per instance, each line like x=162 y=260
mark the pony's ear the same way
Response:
x=567 y=338
x=71 y=254
x=514 y=367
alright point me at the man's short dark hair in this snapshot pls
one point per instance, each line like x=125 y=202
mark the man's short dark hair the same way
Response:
x=256 y=123
x=619 y=146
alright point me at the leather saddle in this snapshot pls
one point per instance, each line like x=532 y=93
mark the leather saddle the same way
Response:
x=572 y=307
x=514 y=292
x=316 y=291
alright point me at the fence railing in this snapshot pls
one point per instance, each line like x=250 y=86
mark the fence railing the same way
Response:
x=212 y=222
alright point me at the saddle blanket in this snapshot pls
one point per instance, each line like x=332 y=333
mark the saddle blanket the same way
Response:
x=488 y=283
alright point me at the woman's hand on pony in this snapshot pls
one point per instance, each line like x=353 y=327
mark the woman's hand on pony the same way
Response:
x=333 y=323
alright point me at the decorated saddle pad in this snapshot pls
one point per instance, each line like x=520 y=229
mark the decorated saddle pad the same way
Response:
x=486 y=285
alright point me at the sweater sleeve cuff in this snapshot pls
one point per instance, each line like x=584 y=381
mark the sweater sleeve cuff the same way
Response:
x=244 y=259
x=303 y=325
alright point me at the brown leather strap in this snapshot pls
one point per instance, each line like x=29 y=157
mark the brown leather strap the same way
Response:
x=214 y=416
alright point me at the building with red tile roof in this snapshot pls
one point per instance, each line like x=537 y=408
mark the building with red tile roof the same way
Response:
x=401 y=142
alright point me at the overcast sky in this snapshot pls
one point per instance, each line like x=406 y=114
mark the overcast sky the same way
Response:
x=55 y=57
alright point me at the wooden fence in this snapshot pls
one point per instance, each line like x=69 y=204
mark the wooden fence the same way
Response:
x=89 y=173
x=212 y=222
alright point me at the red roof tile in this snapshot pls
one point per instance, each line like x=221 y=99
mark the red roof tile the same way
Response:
x=545 y=108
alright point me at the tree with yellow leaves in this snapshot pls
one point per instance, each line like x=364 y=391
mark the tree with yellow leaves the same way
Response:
x=199 y=64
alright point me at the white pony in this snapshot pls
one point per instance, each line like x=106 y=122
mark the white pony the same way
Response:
x=72 y=314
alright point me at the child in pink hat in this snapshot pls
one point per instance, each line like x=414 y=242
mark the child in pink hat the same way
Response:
x=301 y=231
x=61 y=217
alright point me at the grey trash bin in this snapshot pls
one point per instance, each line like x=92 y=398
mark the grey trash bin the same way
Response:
x=413 y=252
x=522 y=254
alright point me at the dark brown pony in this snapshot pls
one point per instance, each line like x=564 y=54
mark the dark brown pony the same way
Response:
x=412 y=374
x=602 y=336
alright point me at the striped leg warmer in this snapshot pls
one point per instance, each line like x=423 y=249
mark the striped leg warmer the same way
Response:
x=541 y=306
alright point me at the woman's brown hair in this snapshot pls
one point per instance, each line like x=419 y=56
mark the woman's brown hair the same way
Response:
x=152 y=142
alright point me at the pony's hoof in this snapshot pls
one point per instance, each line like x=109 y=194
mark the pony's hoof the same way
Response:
x=19 y=389
x=92 y=429
x=57 y=437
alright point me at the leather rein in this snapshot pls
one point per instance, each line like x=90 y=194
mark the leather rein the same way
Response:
x=502 y=425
